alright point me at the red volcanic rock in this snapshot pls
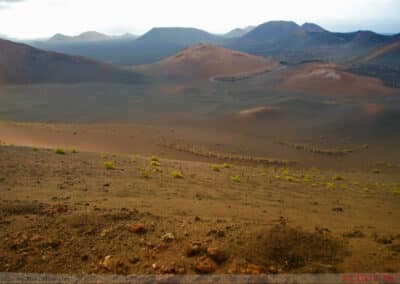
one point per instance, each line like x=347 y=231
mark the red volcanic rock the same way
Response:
x=205 y=266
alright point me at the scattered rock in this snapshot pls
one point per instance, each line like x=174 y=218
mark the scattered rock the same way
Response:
x=19 y=242
x=53 y=244
x=216 y=254
x=168 y=237
x=55 y=209
x=384 y=240
x=251 y=269
x=105 y=232
x=36 y=238
x=322 y=230
x=337 y=209
x=113 y=264
x=273 y=270
x=216 y=233
x=173 y=269
x=161 y=247
x=354 y=234
x=205 y=266
x=134 y=259
x=194 y=249
x=138 y=228
x=107 y=262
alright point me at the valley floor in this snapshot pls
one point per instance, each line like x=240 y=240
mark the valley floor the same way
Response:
x=81 y=212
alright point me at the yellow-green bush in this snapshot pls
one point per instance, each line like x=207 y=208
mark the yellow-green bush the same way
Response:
x=109 y=165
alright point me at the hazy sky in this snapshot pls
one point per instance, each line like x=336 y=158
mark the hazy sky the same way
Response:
x=43 y=18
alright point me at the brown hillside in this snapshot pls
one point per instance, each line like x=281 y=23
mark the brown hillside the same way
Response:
x=22 y=64
x=380 y=51
x=206 y=61
x=330 y=79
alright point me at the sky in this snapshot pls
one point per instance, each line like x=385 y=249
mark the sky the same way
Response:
x=32 y=19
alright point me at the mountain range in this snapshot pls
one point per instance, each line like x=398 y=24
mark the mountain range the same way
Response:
x=361 y=52
x=90 y=36
x=283 y=40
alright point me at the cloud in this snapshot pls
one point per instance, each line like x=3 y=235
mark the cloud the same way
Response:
x=5 y=4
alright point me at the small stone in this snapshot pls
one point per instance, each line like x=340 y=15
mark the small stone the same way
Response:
x=55 y=209
x=252 y=269
x=114 y=264
x=138 y=228
x=134 y=259
x=384 y=240
x=194 y=249
x=216 y=233
x=168 y=237
x=37 y=238
x=107 y=262
x=272 y=269
x=354 y=234
x=337 y=209
x=105 y=232
x=205 y=266
x=216 y=254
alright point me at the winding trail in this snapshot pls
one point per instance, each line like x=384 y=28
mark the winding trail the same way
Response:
x=245 y=76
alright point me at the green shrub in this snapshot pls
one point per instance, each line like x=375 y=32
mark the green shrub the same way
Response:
x=226 y=166
x=155 y=163
x=155 y=159
x=74 y=151
x=144 y=173
x=34 y=149
x=59 y=151
x=109 y=165
x=235 y=179
x=215 y=168
x=176 y=174
x=330 y=185
x=338 y=178
x=290 y=179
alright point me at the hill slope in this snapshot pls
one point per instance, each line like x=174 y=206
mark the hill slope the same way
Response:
x=205 y=61
x=330 y=79
x=22 y=64
x=382 y=62
x=380 y=53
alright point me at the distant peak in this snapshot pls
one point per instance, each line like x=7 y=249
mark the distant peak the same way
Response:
x=311 y=27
